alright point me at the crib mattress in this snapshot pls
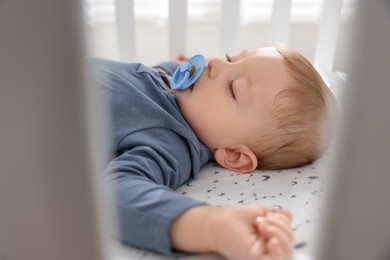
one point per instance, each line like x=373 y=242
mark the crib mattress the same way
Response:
x=299 y=190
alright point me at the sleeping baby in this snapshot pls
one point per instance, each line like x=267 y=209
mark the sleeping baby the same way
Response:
x=265 y=108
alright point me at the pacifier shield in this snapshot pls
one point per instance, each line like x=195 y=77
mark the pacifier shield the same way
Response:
x=188 y=72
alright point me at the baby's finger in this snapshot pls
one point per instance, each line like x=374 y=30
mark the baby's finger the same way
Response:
x=284 y=212
x=181 y=58
x=280 y=215
x=276 y=225
x=277 y=220
x=267 y=231
x=275 y=249
x=270 y=231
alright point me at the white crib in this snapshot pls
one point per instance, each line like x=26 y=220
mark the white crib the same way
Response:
x=298 y=190
x=48 y=206
x=49 y=199
x=325 y=49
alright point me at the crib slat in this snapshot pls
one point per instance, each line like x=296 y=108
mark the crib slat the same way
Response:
x=177 y=28
x=125 y=29
x=327 y=35
x=280 y=22
x=230 y=21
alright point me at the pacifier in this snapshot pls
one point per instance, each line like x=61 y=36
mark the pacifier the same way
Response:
x=188 y=72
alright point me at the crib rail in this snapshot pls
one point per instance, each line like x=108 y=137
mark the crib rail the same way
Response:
x=125 y=27
x=280 y=21
x=230 y=26
x=327 y=37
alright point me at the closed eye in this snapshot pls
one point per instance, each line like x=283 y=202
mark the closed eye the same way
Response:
x=231 y=90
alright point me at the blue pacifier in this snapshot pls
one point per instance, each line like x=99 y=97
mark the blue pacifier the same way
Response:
x=188 y=72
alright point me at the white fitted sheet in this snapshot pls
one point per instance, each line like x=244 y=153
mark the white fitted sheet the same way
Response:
x=299 y=190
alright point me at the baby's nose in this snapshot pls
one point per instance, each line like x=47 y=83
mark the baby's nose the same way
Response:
x=215 y=65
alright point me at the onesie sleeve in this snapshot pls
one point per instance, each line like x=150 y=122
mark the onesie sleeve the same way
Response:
x=144 y=177
x=152 y=152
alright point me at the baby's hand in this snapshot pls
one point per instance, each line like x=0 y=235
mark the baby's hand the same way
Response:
x=235 y=232
x=249 y=232
x=181 y=59
x=275 y=229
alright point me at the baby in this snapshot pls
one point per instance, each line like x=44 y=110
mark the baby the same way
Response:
x=267 y=108
x=263 y=108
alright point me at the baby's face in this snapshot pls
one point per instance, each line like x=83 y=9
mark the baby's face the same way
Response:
x=232 y=100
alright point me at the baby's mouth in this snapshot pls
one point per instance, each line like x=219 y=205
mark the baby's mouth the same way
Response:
x=192 y=87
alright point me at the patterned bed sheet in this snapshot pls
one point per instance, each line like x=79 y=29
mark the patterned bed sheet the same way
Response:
x=300 y=190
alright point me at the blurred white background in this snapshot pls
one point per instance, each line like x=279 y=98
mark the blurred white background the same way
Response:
x=204 y=25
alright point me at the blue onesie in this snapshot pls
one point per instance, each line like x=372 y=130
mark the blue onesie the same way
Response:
x=153 y=152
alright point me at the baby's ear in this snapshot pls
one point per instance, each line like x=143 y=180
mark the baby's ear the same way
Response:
x=241 y=159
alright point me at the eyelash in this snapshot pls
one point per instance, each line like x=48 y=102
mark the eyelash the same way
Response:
x=228 y=57
x=231 y=90
x=231 y=82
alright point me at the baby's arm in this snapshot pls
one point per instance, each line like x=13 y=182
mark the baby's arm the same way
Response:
x=234 y=232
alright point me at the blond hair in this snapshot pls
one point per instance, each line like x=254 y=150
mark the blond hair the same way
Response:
x=301 y=122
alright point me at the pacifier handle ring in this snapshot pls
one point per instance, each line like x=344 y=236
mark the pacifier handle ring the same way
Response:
x=184 y=78
x=188 y=72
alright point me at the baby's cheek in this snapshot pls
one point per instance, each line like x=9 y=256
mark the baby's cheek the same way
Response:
x=205 y=131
